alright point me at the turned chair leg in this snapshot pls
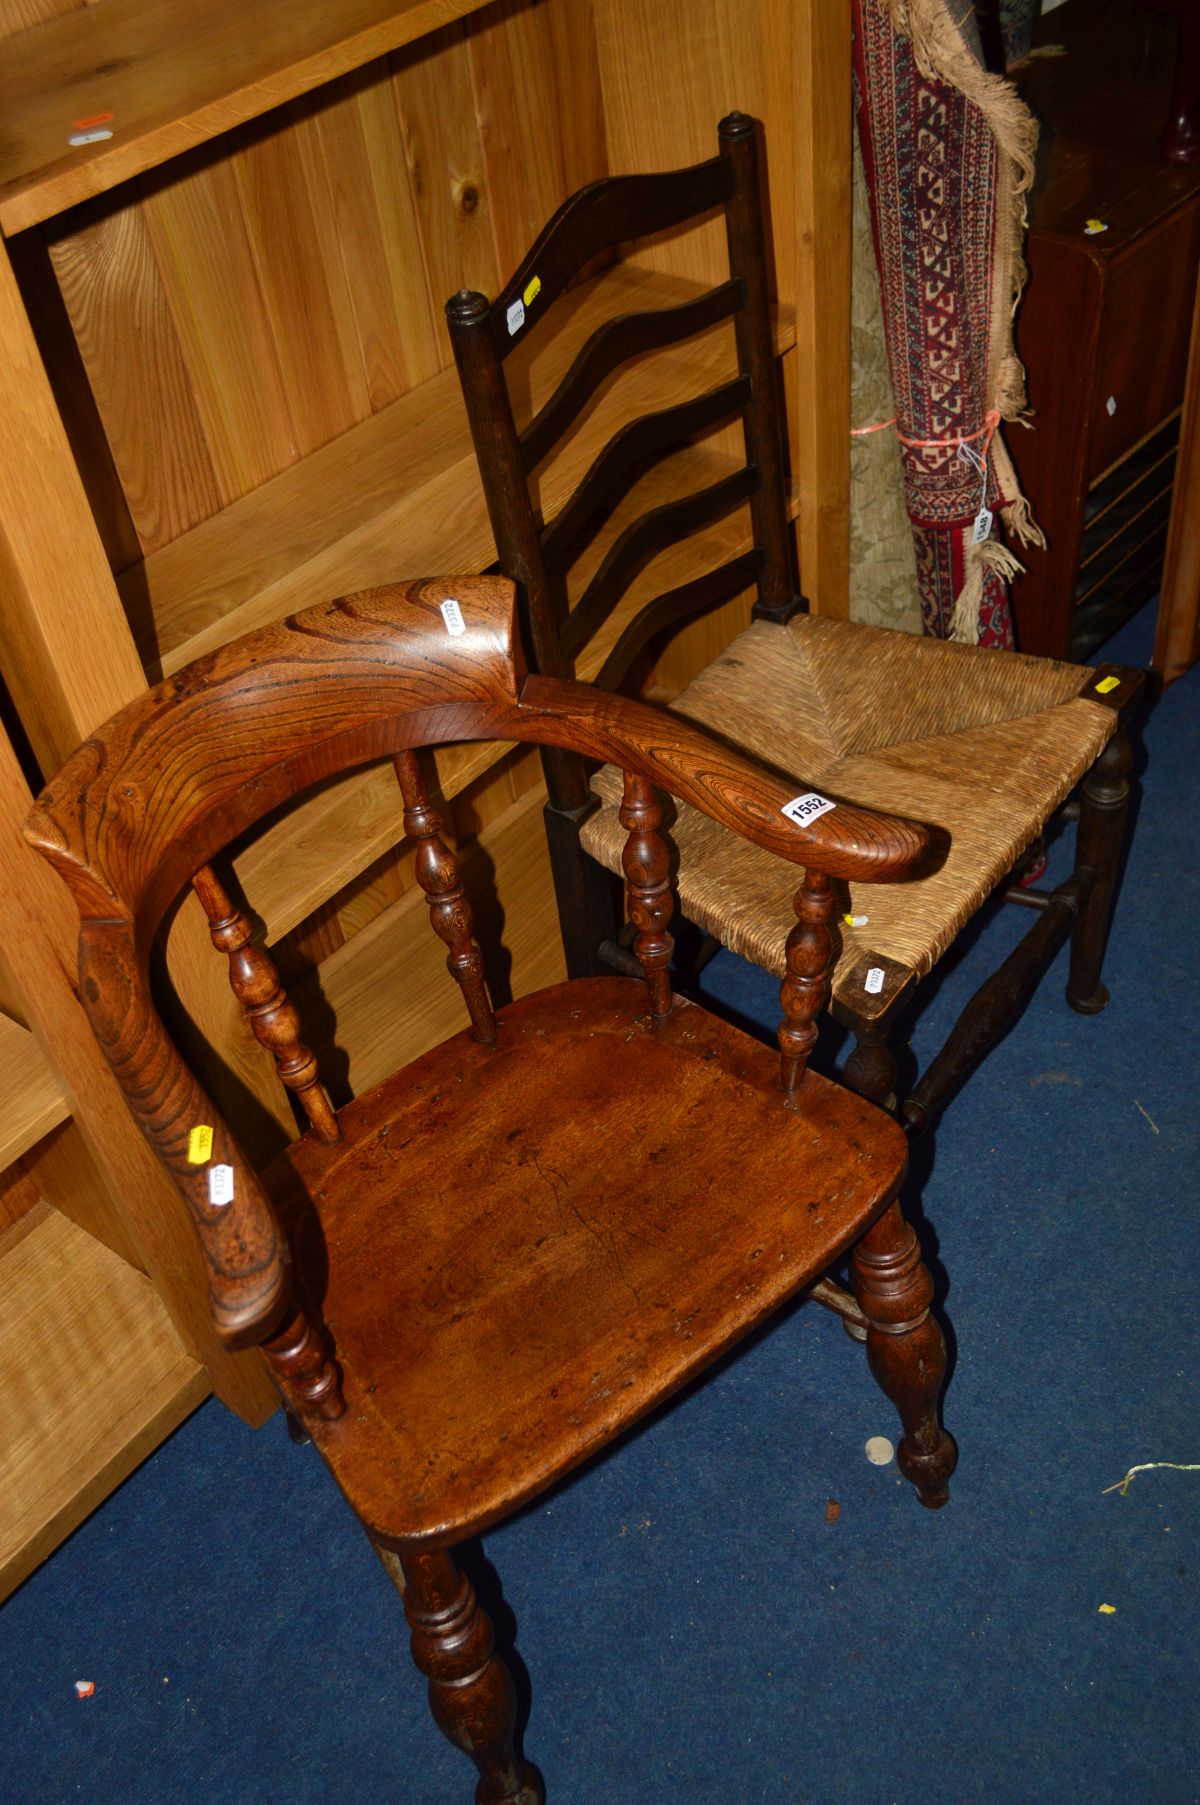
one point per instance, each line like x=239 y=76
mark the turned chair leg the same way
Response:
x=905 y=1349
x=470 y=1689
x=1101 y=835
x=871 y=1067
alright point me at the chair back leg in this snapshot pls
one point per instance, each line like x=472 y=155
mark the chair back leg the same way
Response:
x=1104 y=806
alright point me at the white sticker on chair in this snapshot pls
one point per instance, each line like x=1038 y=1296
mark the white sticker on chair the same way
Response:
x=873 y=982
x=220 y=1185
x=452 y=615
x=806 y=808
x=515 y=316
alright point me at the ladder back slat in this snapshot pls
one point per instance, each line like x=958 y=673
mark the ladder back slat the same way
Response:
x=627 y=457
x=597 y=219
x=612 y=344
x=641 y=541
x=675 y=605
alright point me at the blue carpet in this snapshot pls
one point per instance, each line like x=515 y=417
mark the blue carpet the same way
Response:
x=695 y=1629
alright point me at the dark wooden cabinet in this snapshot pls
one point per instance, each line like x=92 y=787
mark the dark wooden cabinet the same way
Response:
x=1113 y=251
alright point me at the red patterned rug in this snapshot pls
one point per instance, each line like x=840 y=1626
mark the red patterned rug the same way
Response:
x=948 y=153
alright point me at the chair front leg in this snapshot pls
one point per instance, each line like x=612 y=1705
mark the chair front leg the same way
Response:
x=905 y=1349
x=1101 y=836
x=471 y=1691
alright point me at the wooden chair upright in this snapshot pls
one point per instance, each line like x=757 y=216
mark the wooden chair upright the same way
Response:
x=986 y=745
x=462 y=1285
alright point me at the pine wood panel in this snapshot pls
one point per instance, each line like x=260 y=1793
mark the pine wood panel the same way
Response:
x=114 y=293
x=68 y=1178
x=576 y=68
x=453 y=198
x=820 y=148
x=302 y=279
x=210 y=273
x=33 y=1101
x=93 y=1377
x=73 y=394
x=283 y=290
x=518 y=117
x=18 y=15
x=45 y=528
x=173 y=76
x=716 y=55
x=371 y=209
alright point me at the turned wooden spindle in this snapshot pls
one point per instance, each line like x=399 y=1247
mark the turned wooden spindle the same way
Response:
x=471 y=1691
x=647 y=868
x=255 y=983
x=305 y=1371
x=449 y=910
x=805 y=989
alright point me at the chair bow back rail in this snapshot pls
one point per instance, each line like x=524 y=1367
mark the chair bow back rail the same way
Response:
x=463 y=1285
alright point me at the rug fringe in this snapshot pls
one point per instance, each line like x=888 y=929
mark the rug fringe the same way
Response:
x=1018 y=518
x=977 y=561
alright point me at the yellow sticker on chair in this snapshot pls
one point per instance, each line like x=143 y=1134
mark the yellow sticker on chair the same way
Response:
x=532 y=290
x=200 y=1140
x=1107 y=683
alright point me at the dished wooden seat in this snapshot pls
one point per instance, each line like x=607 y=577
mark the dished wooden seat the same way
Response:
x=981 y=743
x=608 y=1282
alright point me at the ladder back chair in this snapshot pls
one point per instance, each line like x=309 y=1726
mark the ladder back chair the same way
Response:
x=463 y=1288
x=985 y=744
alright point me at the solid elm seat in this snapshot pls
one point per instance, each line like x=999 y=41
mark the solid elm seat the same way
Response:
x=608 y=1283
x=986 y=743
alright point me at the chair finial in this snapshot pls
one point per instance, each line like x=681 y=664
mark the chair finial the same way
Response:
x=466 y=307
x=736 y=125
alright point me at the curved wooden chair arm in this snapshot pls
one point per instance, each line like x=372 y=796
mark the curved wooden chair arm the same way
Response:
x=836 y=837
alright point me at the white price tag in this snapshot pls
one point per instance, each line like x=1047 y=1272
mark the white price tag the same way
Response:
x=453 y=617
x=515 y=316
x=220 y=1185
x=983 y=526
x=873 y=982
x=806 y=808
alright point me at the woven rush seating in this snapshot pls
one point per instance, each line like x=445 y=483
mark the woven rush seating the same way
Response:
x=983 y=744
